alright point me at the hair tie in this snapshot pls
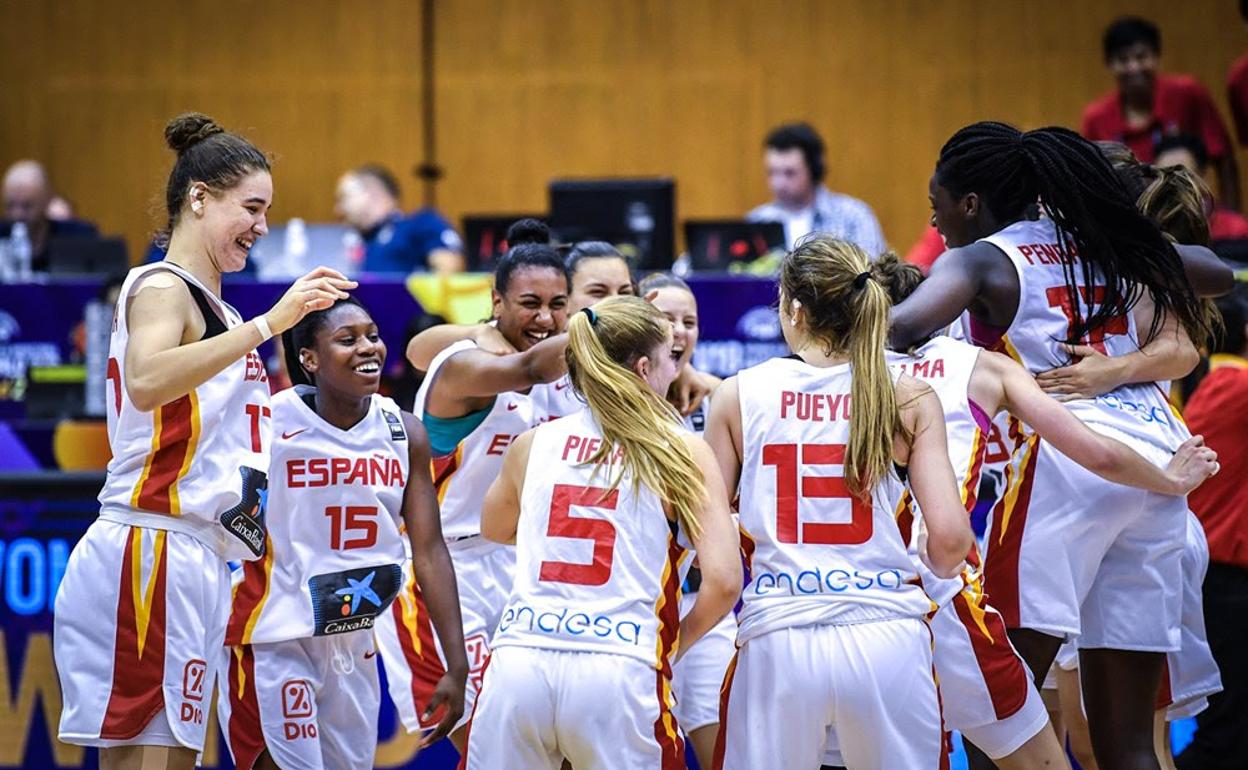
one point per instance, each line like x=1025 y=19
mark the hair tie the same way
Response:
x=860 y=280
x=593 y=317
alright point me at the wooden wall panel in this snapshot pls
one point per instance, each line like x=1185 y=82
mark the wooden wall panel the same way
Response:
x=530 y=89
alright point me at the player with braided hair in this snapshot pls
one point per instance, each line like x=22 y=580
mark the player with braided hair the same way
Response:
x=1069 y=553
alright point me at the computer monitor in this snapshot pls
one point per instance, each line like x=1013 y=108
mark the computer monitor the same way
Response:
x=636 y=215
x=714 y=244
x=485 y=238
x=86 y=254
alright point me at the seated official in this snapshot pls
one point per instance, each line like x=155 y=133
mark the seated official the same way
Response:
x=26 y=196
x=368 y=199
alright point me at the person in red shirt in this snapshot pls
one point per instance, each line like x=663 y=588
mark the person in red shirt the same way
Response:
x=1216 y=410
x=1188 y=151
x=926 y=249
x=1148 y=105
x=1237 y=87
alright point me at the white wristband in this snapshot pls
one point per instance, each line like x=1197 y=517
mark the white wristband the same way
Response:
x=262 y=324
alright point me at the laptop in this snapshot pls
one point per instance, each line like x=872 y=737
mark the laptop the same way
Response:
x=714 y=244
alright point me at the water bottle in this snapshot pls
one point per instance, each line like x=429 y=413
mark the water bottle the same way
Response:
x=6 y=262
x=296 y=246
x=20 y=251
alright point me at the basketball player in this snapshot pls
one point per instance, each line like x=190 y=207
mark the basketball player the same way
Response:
x=1175 y=199
x=303 y=691
x=697 y=677
x=601 y=506
x=473 y=405
x=1069 y=553
x=831 y=630
x=141 y=611
x=985 y=689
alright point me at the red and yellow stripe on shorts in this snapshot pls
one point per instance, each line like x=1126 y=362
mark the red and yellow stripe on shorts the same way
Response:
x=139 y=649
x=415 y=632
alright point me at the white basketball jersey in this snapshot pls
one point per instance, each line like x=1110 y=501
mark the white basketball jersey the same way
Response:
x=596 y=570
x=197 y=464
x=336 y=543
x=815 y=554
x=462 y=477
x=947 y=365
x=1043 y=322
x=557 y=399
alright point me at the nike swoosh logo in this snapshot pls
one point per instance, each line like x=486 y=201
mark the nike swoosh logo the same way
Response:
x=370 y=654
x=560 y=385
x=512 y=407
x=293 y=433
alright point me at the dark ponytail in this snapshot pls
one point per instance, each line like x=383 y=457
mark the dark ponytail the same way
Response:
x=1095 y=215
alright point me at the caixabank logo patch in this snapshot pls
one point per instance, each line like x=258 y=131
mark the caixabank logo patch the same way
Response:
x=352 y=599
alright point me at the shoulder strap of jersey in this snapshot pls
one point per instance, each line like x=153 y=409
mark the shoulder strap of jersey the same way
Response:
x=422 y=395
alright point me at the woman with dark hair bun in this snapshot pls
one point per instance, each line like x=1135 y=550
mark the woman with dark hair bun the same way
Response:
x=473 y=403
x=141 y=611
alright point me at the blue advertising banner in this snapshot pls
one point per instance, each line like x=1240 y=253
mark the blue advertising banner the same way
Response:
x=41 y=518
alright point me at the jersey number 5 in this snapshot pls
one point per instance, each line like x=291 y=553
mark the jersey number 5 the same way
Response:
x=602 y=532
x=788 y=493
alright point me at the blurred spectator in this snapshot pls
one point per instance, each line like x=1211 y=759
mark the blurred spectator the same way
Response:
x=368 y=199
x=796 y=166
x=1237 y=87
x=26 y=197
x=1216 y=411
x=1148 y=105
x=926 y=249
x=1188 y=151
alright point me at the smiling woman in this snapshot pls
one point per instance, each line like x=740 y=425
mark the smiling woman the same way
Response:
x=474 y=403
x=336 y=570
x=185 y=492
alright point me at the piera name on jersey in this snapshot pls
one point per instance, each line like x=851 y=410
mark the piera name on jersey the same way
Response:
x=578 y=449
x=814 y=407
x=378 y=470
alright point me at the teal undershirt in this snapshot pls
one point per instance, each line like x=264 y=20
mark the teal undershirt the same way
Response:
x=445 y=433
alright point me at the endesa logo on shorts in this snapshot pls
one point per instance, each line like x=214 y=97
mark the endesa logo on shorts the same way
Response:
x=297 y=705
x=521 y=619
x=810 y=582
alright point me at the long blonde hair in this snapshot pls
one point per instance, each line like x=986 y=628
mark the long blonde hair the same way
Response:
x=847 y=308
x=603 y=344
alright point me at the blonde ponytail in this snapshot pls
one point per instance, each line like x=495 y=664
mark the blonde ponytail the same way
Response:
x=632 y=416
x=847 y=306
x=874 y=416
